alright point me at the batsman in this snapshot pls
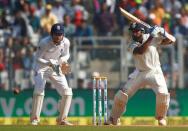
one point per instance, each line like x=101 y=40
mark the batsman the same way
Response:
x=147 y=72
x=51 y=63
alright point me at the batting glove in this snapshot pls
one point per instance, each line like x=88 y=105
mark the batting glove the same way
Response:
x=156 y=31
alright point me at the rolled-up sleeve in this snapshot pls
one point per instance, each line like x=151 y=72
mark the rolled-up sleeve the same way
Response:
x=40 y=51
x=65 y=54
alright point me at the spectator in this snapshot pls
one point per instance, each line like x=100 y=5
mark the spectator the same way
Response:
x=104 y=22
x=34 y=20
x=178 y=28
x=3 y=74
x=159 y=12
x=18 y=68
x=19 y=25
x=172 y=6
x=40 y=9
x=166 y=22
x=58 y=10
x=79 y=13
x=68 y=26
x=9 y=54
x=184 y=18
x=111 y=5
x=96 y=6
x=84 y=30
x=185 y=59
x=4 y=19
x=140 y=12
x=28 y=61
x=48 y=19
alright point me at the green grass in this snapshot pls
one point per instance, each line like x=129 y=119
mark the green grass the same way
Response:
x=91 y=128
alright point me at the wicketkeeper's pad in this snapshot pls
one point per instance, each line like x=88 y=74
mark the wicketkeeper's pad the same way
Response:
x=36 y=106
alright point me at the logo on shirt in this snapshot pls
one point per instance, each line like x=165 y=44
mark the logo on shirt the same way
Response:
x=61 y=53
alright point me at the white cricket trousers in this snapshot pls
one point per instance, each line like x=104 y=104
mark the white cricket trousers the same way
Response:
x=153 y=79
x=59 y=81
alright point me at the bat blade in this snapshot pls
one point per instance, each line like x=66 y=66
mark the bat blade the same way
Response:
x=133 y=18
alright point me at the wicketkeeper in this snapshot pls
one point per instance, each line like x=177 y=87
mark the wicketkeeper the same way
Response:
x=51 y=63
x=148 y=72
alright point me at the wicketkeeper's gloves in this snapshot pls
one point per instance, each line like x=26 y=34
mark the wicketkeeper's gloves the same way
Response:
x=65 y=68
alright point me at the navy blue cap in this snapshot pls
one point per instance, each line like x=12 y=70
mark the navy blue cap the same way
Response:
x=136 y=27
x=57 y=29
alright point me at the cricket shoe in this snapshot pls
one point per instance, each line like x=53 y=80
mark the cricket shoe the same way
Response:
x=64 y=122
x=34 y=122
x=113 y=121
x=162 y=122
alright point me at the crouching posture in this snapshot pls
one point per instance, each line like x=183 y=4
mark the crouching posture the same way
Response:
x=148 y=72
x=51 y=63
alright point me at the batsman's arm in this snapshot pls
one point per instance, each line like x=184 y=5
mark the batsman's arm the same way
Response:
x=166 y=41
x=171 y=38
x=142 y=48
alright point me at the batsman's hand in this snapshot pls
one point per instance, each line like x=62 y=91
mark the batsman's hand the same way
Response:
x=154 y=31
x=65 y=68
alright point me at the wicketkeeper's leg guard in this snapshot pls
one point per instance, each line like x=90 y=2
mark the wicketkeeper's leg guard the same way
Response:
x=162 y=104
x=64 y=106
x=37 y=103
x=119 y=107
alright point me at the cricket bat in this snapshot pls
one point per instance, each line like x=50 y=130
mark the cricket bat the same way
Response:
x=137 y=20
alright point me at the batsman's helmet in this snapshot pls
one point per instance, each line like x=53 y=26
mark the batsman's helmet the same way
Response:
x=136 y=27
x=57 y=29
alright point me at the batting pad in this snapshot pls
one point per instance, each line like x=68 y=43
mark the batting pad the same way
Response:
x=67 y=92
x=162 y=104
x=119 y=106
x=37 y=106
x=64 y=106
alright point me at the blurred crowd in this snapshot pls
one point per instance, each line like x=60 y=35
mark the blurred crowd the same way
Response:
x=24 y=22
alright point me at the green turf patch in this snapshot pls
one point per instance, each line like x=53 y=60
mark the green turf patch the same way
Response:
x=91 y=128
x=125 y=121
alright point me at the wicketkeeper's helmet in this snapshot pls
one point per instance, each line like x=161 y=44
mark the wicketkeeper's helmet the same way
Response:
x=57 y=29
